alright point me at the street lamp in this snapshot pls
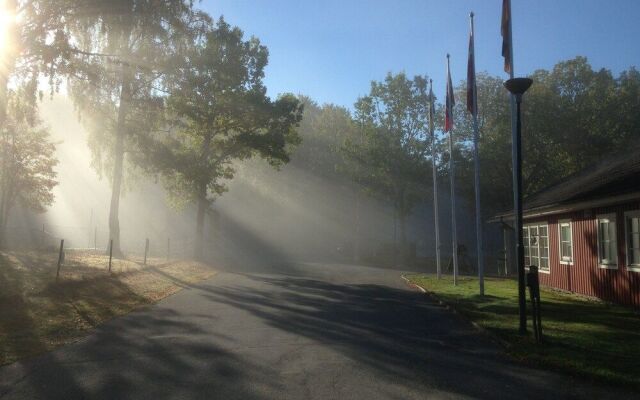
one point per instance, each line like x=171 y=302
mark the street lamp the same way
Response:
x=517 y=87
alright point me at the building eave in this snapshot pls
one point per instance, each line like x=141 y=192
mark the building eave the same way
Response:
x=553 y=209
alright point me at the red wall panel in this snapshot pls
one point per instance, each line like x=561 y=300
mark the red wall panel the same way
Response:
x=585 y=276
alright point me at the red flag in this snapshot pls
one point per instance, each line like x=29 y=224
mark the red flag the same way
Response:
x=472 y=105
x=505 y=31
x=448 y=116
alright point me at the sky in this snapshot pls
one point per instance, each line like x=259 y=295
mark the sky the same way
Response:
x=331 y=50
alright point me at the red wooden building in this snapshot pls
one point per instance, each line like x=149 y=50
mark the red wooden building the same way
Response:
x=584 y=232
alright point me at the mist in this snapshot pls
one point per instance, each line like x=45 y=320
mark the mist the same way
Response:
x=268 y=218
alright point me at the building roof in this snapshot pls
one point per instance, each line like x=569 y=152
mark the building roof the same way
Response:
x=614 y=179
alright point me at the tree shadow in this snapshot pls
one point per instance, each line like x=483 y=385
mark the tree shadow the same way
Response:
x=395 y=333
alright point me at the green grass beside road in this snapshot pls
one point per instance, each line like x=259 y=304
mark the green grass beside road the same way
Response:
x=582 y=336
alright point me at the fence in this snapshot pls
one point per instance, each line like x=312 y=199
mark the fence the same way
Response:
x=48 y=236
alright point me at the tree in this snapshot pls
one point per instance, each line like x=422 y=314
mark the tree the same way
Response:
x=573 y=117
x=391 y=151
x=222 y=115
x=28 y=157
x=30 y=48
x=117 y=79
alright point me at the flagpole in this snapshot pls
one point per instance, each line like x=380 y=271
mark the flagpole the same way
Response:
x=476 y=160
x=435 y=179
x=454 y=236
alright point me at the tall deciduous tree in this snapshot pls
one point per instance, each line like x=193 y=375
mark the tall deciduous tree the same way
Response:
x=219 y=102
x=392 y=149
x=121 y=48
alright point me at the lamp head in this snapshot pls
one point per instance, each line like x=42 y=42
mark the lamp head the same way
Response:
x=518 y=86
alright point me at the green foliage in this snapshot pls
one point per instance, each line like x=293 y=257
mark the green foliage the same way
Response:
x=221 y=115
x=389 y=152
x=117 y=73
x=572 y=117
x=323 y=131
x=27 y=177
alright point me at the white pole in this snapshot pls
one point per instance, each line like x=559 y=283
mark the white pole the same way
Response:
x=454 y=235
x=476 y=161
x=435 y=180
x=452 y=173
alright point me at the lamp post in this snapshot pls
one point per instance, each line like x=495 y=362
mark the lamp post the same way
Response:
x=517 y=87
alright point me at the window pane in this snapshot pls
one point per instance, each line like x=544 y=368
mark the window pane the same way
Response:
x=543 y=231
x=635 y=256
x=544 y=263
x=635 y=222
x=566 y=250
x=635 y=241
x=544 y=242
x=564 y=233
x=604 y=231
x=612 y=231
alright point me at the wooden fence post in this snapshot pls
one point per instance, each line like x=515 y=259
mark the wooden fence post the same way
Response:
x=110 y=253
x=60 y=258
x=146 y=250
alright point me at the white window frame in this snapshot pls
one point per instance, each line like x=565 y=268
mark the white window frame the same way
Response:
x=629 y=214
x=560 y=224
x=538 y=225
x=609 y=217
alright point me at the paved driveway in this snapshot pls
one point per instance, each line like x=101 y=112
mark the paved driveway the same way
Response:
x=307 y=332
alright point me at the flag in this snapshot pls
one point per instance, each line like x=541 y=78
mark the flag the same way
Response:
x=432 y=109
x=472 y=105
x=505 y=31
x=448 y=116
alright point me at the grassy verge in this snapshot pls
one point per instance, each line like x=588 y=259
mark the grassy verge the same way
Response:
x=582 y=336
x=38 y=314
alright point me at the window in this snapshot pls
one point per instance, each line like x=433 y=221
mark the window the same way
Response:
x=632 y=228
x=565 y=242
x=607 y=249
x=536 y=246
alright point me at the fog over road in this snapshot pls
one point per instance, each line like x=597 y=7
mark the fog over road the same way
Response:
x=310 y=331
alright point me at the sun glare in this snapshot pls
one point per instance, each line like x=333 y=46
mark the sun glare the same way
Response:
x=7 y=19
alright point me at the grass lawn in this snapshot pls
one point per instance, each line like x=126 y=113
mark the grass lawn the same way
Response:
x=582 y=336
x=37 y=314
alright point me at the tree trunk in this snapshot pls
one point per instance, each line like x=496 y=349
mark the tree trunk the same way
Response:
x=202 y=201
x=116 y=188
x=202 y=210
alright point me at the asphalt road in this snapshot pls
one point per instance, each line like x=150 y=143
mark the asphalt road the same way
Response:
x=307 y=332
